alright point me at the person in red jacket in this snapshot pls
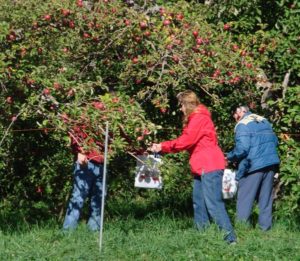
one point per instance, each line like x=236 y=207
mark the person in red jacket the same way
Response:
x=207 y=163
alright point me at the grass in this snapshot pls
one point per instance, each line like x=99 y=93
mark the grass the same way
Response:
x=153 y=238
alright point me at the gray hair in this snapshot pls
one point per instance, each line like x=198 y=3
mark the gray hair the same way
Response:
x=243 y=108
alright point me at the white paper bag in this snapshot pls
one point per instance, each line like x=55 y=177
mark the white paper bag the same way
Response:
x=229 y=185
x=147 y=172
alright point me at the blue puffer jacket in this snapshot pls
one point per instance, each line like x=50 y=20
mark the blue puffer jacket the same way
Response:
x=255 y=141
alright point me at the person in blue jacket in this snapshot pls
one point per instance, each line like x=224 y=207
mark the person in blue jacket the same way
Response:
x=256 y=149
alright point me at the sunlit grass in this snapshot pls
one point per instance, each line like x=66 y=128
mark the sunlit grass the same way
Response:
x=153 y=238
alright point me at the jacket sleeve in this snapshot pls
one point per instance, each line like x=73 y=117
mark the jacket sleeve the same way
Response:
x=242 y=144
x=191 y=134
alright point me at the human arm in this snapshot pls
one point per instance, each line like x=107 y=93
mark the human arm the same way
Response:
x=197 y=127
x=242 y=144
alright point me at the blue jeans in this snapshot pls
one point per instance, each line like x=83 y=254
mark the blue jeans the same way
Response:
x=208 y=202
x=258 y=185
x=87 y=183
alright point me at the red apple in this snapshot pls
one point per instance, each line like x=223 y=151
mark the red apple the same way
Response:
x=143 y=25
x=115 y=100
x=262 y=49
x=243 y=53
x=175 y=58
x=166 y=22
x=71 y=92
x=163 y=110
x=71 y=24
x=235 y=47
x=65 y=12
x=56 y=86
x=195 y=33
x=179 y=16
x=227 y=27
x=47 y=17
x=135 y=60
x=127 y=22
x=23 y=52
x=86 y=35
x=35 y=25
x=46 y=91
x=147 y=33
x=199 y=41
x=9 y=100
x=138 y=39
x=39 y=190
x=98 y=105
x=79 y=3
x=162 y=11
x=11 y=37
x=216 y=73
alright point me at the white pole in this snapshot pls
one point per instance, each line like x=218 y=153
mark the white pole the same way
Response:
x=103 y=186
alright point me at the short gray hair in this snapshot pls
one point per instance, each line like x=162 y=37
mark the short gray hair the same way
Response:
x=243 y=108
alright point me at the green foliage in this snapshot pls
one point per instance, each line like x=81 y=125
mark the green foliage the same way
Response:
x=79 y=64
x=289 y=127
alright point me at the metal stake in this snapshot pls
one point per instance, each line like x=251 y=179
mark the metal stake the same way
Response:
x=103 y=186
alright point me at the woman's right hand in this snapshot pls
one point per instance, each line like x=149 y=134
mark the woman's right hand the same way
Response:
x=156 y=147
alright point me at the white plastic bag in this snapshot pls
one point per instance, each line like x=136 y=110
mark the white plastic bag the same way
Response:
x=147 y=172
x=229 y=185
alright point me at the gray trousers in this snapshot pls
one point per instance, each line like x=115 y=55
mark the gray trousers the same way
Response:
x=256 y=186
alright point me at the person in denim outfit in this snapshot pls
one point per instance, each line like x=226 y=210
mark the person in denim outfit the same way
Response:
x=256 y=143
x=88 y=175
x=207 y=163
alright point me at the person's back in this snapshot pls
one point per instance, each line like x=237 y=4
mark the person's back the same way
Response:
x=262 y=141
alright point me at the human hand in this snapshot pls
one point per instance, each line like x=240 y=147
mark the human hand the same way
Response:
x=156 y=147
x=82 y=159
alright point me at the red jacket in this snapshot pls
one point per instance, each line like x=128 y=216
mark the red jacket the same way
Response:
x=78 y=135
x=200 y=140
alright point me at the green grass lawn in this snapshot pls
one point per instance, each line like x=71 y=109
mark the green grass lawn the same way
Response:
x=152 y=238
